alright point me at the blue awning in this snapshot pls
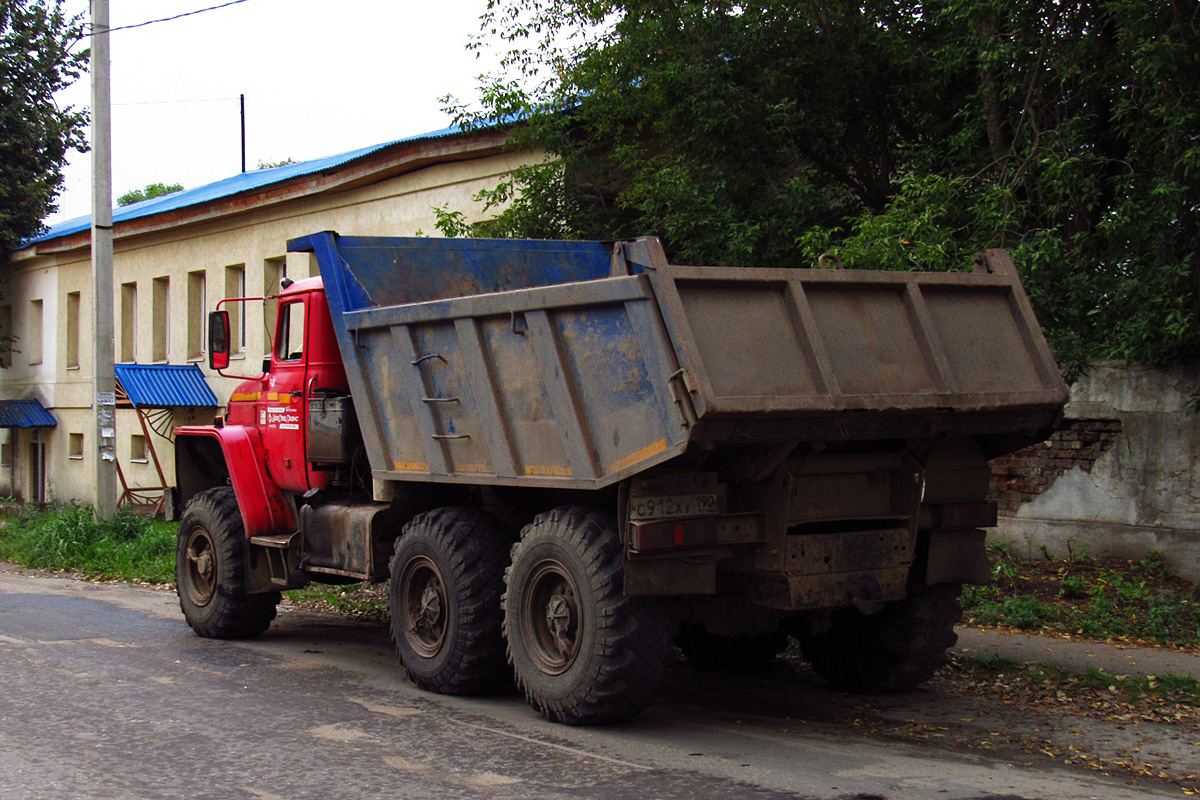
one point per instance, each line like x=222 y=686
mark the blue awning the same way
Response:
x=25 y=414
x=165 y=385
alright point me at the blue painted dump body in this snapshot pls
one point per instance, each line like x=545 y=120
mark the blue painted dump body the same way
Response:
x=578 y=364
x=510 y=361
x=402 y=270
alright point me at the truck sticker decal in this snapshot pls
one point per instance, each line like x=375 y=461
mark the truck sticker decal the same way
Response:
x=285 y=419
x=412 y=466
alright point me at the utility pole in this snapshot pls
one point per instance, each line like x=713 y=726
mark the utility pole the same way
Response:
x=242 y=105
x=104 y=401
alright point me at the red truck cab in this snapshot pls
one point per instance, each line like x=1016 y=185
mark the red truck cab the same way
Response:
x=264 y=442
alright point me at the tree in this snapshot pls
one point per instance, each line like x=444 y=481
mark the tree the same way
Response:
x=900 y=132
x=151 y=190
x=38 y=57
x=272 y=164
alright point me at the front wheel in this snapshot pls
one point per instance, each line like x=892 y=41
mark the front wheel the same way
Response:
x=210 y=570
x=581 y=650
x=892 y=651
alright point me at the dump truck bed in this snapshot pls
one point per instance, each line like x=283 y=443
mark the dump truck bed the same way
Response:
x=577 y=364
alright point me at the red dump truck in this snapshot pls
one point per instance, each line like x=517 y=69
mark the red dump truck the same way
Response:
x=569 y=458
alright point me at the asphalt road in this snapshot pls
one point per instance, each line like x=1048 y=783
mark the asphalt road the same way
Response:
x=108 y=694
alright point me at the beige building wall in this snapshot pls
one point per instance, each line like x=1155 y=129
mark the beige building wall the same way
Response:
x=165 y=282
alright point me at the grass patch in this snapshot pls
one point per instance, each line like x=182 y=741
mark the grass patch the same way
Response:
x=1099 y=598
x=357 y=599
x=128 y=547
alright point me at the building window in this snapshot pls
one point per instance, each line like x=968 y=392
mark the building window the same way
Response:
x=195 y=315
x=73 y=330
x=7 y=336
x=160 y=327
x=137 y=449
x=75 y=445
x=129 y=322
x=33 y=336
x=235 y=286
x=274 y=271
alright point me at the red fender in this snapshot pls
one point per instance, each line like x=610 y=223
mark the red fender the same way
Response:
x=263 y=507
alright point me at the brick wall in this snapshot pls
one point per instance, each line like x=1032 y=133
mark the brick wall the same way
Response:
x=1022 y=476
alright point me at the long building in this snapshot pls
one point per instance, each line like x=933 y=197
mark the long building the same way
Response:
x=175 y=257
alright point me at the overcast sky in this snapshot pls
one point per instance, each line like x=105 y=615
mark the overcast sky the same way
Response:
x=319 y=77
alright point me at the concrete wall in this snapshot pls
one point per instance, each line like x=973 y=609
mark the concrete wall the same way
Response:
x=1138 y=491
x=253 y=240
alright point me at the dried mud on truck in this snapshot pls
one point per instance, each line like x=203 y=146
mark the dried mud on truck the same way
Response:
x=568 y=458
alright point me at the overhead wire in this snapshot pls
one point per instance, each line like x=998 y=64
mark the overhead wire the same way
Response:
x=177 y=16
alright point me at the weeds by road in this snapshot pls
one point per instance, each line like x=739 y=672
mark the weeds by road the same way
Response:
x=68 y=538
x=1092 y=598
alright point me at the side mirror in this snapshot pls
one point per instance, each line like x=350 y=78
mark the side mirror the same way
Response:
x=218 y=340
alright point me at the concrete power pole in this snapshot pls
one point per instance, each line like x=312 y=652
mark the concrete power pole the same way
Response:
x=104 y=400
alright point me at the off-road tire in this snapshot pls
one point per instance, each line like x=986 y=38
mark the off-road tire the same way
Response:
x=581 y=651
x=447 y=576
x=210 y=570
x=737 y=652
x=892 y=651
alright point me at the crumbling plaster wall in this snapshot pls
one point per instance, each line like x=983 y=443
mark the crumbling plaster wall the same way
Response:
x=1136 y=492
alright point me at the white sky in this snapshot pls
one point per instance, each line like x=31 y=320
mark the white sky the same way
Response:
x=320 y=78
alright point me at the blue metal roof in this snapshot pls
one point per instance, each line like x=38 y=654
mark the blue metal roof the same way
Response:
x=25 y=414
x=165 y=385
x=244 y=182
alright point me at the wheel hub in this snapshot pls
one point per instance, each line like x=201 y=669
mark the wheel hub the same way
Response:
x=201 y=576
x=423 y=597
x=552 y=615
x=560 y=619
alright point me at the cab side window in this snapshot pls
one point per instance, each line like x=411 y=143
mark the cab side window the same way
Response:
x=289 y=345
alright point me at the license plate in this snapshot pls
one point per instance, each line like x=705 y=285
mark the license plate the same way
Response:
x=672 y=506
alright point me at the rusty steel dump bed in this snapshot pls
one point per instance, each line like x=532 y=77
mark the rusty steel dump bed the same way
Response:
x=578 y=364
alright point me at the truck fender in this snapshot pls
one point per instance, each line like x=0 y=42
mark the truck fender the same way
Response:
x=206 y=457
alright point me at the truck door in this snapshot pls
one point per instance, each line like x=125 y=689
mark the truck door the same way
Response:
x=283 y=406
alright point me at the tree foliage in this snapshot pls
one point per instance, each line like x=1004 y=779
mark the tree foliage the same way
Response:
x=37 y=58
x=151 y=190
x=899 y=133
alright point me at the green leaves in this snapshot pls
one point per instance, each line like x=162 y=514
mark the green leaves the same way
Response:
x=159 y=189
x=901 y=134
x=38 y=56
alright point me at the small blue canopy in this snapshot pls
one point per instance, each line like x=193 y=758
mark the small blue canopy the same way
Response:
x=25 y=414
x=165 y=386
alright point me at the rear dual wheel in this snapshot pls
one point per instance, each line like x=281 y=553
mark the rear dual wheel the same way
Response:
x=892 y=651
x=581 y=651
x=446 y=580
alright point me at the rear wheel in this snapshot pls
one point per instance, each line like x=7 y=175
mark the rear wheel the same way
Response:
x=581 y=650
x=210 y=570
x=444 y=594
x=892 y=651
